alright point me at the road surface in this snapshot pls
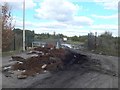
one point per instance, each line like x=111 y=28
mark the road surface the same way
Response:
x=74 y=76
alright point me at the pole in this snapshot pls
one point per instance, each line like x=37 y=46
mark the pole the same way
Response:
x=88 y=46
x=24 y=25
x=95 y=40
x=14 y=42
x=58 y=42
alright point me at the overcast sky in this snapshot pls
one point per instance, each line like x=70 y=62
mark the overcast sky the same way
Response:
x=69 y=17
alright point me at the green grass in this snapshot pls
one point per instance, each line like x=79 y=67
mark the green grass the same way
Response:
x=106 y=51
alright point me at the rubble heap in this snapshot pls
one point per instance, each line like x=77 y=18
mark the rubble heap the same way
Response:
x=49 y=59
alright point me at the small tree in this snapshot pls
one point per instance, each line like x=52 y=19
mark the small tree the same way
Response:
x=7 y=34
x=106 y=35
x=75 y=38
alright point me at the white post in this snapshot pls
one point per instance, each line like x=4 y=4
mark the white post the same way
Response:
x=24 y=25
x=57 y=45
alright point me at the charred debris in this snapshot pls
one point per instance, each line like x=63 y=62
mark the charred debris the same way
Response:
x=45 y=59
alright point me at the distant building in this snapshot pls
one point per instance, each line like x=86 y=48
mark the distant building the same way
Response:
x=64 y=39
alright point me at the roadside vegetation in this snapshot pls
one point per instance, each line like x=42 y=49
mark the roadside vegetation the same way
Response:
x=104 y=44
x=12 y=37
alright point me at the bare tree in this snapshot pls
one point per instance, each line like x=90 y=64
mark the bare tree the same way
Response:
x=7 y=34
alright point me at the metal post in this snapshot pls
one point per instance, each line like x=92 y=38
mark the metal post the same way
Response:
x=88 y=46
x=58 y=42
x=14 y=43
x=95 y=40
x=24 y=25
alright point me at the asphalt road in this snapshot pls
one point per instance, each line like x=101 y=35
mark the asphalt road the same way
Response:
x=74 y=76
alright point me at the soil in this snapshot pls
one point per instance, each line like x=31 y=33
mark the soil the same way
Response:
x=54 y=59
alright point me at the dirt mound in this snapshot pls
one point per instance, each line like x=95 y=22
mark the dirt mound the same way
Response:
x=51 y=60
